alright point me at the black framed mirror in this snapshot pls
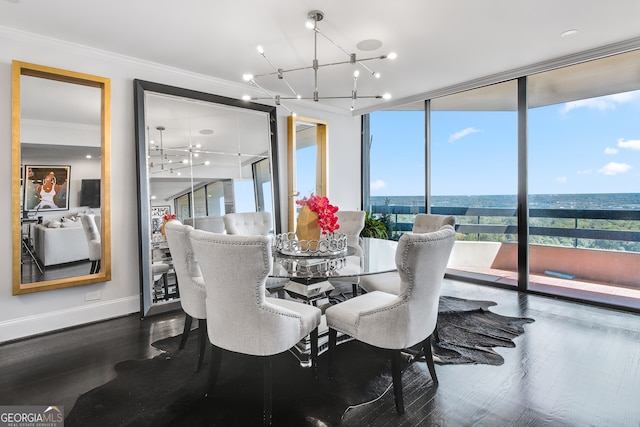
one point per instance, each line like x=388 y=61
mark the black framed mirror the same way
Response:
x=198 y=156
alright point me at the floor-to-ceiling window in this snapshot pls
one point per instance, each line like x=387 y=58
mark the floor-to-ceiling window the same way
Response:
x=575 y=133
x=474 y=176
x=584 y=179
x=397 y=168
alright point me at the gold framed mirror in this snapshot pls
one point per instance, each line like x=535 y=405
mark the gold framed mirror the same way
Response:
x=307 y=156
x=60 y=160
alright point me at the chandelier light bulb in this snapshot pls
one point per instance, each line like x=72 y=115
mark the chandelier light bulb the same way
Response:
x=356 y=74
x=310 y=25
x=386 y=96
x=392 y=55
x=260 y=50
x=247 y=77
x=246 y=98
x=207 y=163
x=376 y=75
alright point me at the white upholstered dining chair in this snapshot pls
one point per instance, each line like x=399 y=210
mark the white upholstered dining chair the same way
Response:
x=190 y=284
x=240 y=317
x=351 y=223
x=248 y=223
x=389 y=282
x=254 y=224
x=396 y=322
x=94 y=242
x=214 y=224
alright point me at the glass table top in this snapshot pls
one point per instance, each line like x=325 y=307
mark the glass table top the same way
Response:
x=371 y=256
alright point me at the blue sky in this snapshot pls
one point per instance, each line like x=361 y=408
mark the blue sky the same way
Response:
x=586 y=146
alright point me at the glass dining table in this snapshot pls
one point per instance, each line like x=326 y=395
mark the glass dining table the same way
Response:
x=310 y=275
x=307 y=278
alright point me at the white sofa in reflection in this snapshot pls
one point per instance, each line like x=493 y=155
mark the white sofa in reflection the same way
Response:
x=63 y=243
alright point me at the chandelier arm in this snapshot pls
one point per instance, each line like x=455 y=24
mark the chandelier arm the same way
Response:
x=273 y=97
x=278 y=72
x=275 y=73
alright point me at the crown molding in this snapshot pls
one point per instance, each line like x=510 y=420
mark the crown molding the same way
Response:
x=23 y=36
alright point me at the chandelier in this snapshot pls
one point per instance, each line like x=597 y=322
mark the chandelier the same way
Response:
x=166 y=158
x=172 y=159
x=314 y=17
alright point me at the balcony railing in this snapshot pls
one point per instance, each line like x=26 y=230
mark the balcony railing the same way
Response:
x=590 y=255
x=469 y=221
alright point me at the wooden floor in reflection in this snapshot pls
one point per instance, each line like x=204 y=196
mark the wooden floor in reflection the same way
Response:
x=31 y=273
x=576 y=365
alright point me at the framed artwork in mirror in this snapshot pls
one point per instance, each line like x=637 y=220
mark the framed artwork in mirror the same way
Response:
x=157 y=214
x=46 y=188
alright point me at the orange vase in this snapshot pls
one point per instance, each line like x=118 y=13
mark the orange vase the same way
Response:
x=162 y=229
x=307 y=227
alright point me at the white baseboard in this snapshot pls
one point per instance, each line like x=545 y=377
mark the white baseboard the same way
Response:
x=23 y=327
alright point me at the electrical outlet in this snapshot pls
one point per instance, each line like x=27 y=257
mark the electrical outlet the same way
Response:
x=92 y=296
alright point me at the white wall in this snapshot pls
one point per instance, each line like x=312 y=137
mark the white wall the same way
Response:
x=40 y=312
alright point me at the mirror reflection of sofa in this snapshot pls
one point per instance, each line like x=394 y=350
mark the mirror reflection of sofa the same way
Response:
x=59 y=242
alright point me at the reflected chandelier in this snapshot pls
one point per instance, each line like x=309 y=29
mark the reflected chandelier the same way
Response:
x=172 y=159
x=314 y=17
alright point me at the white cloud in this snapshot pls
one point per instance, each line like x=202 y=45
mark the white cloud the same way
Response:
x=561 y=179
x=610 y=150
x=613 y=168
x=602 y=103
x=462 y=134
x=378 y=184
x=585 y=172
x=632 y=144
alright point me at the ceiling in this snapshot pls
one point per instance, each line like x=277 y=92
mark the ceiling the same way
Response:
x=438 y=43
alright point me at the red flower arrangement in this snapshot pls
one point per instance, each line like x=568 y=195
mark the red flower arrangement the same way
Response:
x=327 y=219
x=169 y=217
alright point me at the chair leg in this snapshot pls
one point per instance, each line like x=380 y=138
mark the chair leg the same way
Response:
x=185 y=332
x=314 y=352
x=95 y=267
x=165 y=284
x=428 y=355
x=396 y=373
x=435 y=334
x=333 y=337
x=354 y=289
x=267 y=387
x=202 y=341
x=214 y=369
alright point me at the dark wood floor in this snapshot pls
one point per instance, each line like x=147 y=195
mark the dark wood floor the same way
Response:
x=577 y=365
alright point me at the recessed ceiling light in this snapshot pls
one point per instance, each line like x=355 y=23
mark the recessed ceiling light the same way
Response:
x=206 y=132
x=369 y=44
x=569 y=33
x=88 y=156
